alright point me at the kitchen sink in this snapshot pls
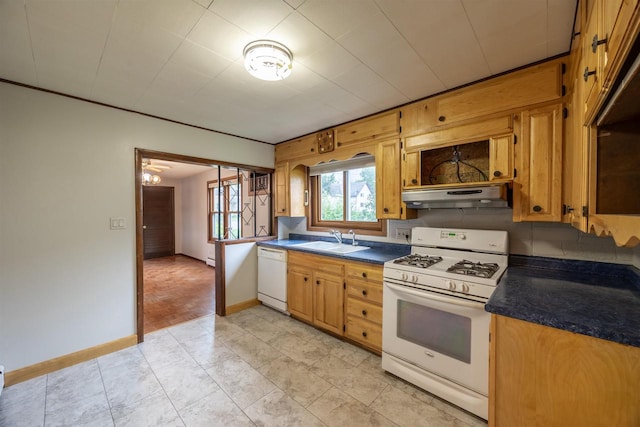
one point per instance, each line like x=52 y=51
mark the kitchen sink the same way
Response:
x=336 y=248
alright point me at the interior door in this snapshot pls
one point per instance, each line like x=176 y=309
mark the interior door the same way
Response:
x=158 y=228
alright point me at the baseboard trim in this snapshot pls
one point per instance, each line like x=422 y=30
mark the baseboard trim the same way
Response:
x=52 y=365
x=241 y=306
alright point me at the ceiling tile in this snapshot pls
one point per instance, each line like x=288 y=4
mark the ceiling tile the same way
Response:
x=220 y=36
x=256 y=17
x=367 y=85
x=517 y=39
x=300 y=36
x=331 y=60
x=174 y=16
x=200 y=59
x=560 y=25
x=16 y=56
x=339 y=17
x=64 y=60
x=440 y=34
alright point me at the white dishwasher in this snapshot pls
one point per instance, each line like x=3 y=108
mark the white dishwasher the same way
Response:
x=272 y=278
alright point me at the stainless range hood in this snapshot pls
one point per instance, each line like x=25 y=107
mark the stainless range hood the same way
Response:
x=489 y=196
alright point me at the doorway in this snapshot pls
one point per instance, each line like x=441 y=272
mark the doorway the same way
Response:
x=249 y=175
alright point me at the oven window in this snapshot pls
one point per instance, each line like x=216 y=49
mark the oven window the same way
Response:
x=438 y=330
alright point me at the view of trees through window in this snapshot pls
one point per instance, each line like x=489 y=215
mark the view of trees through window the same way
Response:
x=360 y=187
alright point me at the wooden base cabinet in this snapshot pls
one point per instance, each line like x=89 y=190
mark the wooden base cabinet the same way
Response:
x=546 y=377
x=315 y=290
x=364 y=304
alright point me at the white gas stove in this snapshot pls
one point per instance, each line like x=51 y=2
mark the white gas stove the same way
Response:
x=435 y=330
x=461 y=263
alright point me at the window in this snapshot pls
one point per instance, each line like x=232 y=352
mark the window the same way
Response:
x=344 y=196
x=225 y=203
x=238 y=204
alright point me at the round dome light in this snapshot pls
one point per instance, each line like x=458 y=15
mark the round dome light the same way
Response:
x=268 y=60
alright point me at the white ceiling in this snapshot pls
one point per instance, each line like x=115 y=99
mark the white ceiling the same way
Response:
x=182 y=59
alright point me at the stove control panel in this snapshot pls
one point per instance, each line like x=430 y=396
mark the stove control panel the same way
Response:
x=453 y=235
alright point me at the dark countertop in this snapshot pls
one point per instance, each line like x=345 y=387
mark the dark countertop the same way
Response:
x=601 y=300
x=379 y=252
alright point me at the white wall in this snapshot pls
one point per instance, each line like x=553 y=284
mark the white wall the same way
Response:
x=67 y=281
x=525 y=238
x=194 y=215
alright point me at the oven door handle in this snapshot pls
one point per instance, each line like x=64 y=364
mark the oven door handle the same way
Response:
x=432 y=296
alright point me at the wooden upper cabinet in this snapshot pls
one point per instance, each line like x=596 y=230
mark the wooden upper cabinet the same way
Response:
x=388 y=189
x=533 y=85
x=296 y=149
x=290 y=193
x=538 y=184
x=411 y=170
x=501 y=157
x=418 y=117
x=381 y=126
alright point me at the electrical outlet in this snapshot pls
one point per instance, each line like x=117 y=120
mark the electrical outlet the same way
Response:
x=403 y=234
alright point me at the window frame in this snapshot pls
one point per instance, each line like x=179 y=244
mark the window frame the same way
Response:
x=315 y=223
x=211 y=186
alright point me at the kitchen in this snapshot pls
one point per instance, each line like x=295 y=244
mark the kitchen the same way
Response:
x=49 y=145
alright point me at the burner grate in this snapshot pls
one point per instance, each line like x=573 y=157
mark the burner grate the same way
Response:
x=477 y=269
x=416 y=260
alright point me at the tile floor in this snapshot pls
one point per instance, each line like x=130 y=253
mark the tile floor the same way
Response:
x=256 y=367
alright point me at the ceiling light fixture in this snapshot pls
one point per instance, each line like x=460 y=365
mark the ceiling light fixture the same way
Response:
x=268 y=60
x=148 y=179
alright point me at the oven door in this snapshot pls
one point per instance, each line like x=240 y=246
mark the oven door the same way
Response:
x=444 y=335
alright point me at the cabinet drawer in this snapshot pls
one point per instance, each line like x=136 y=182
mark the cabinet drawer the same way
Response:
x=365 y=332
x=317 y=263
x=365 y=272
x=364 y=310
x=367 y=291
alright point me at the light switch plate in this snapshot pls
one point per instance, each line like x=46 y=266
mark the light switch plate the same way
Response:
x=117 y=223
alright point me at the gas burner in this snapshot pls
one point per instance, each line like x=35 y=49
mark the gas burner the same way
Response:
x=416 y=260
x=478 y=269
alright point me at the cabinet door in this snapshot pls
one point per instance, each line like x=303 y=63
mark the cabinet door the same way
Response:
x=380 y=126
x=541 y=376
x=300 y=293
x=411 y=169
x=329 y=302
x=501 y=158
x=538 y=184
x=388 y=199
x=575 y=160
x=592 y=70
x=281 y=194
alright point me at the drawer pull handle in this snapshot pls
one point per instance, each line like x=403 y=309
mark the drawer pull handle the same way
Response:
x=537 y=208
x=317 y=282
x=442 y=118
x=305 y=279
x=364 y=334
x=497 y=173
x=364 y=292
x=364 y=274
x=364 y=312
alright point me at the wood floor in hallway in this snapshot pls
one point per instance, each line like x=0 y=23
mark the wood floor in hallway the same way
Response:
x=176 y=289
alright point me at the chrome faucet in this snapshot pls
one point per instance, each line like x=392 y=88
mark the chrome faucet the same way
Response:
x=337 y=234
x=353 y=238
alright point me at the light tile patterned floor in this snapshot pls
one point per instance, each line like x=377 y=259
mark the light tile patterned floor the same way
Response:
x=256 y=367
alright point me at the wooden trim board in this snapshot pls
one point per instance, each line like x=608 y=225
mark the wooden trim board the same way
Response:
x=242 y=306
x=52 y=365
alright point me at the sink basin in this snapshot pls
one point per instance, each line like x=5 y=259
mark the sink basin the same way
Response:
x=336 y=248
